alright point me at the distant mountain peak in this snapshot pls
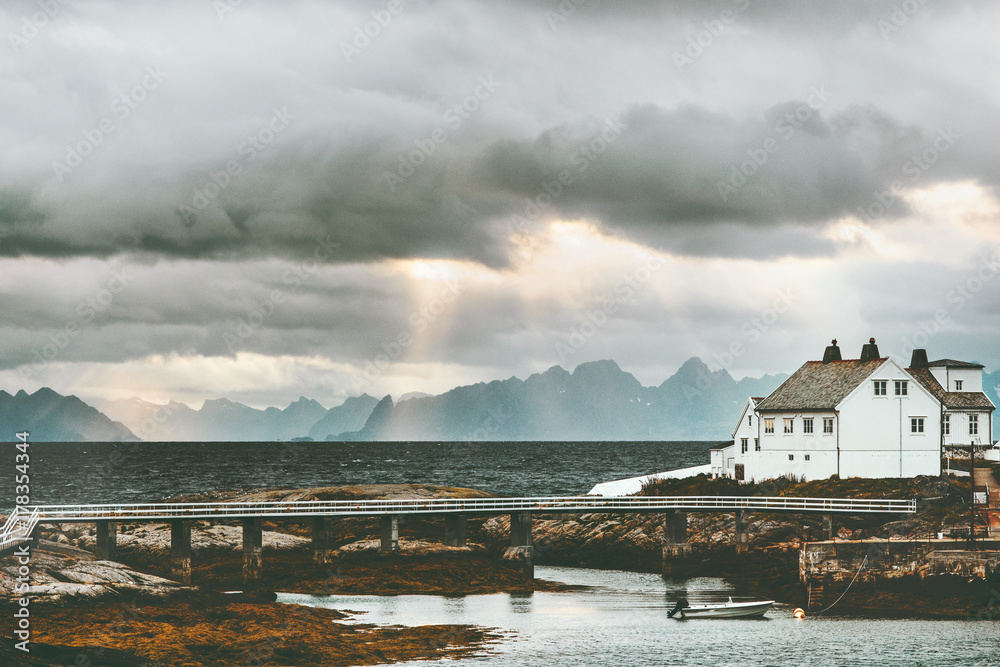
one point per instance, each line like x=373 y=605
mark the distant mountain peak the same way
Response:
x=50 y=416
x=602 y=365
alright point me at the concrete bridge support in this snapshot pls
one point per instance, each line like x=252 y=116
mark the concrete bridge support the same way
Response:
x=828 y=525
x=321 y=542
x=253 y=546
x=454 y=529
x=107 y=540
x=676 y=548
x=390 y=534
x=741 y=529
x=180 y=550
x=520 y=552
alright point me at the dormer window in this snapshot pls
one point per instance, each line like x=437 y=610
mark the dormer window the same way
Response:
x=958 y=385
x=901 y=387
x=880 y=387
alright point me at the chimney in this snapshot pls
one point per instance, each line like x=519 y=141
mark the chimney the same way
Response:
x=918 y=359
x=870 y=351
x=832 y=352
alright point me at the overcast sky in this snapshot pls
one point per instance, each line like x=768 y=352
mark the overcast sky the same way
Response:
x=264 y=200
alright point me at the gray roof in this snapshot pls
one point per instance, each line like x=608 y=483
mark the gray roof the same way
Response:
x=819 y=386
x=955 y=400
x=951 y=363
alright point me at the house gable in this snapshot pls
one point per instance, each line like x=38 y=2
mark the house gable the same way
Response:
x=748 y=408
x=899 y=370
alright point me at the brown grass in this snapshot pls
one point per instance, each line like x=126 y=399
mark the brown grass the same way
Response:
x=201 y=634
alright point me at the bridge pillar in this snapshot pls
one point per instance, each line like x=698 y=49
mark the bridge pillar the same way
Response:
x=675 y=542
x=253 y=546
x=390 y=534
x=107 y=540
x=742 y=529
x=675 y=527
x=454 y=529
x=520 y=552
x=321 y=539
x=180 y=550
x=828 y=525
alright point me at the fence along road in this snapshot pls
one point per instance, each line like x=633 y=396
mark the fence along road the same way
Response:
x=474 y=506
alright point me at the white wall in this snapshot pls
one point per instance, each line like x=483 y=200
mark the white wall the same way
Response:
x=773 y=459
x=960 y=428
x=875 y=434
x=972 y=378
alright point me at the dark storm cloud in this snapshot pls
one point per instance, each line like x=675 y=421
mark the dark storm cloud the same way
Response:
x=177 y=178
x=653 y=172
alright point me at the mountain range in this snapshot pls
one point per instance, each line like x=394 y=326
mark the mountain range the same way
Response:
x=52 y=417
x=596 y=401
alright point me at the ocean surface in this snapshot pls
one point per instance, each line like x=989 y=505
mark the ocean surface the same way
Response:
x=70 y=473
x=622 y=620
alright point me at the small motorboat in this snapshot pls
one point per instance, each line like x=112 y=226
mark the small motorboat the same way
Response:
x=728 y=609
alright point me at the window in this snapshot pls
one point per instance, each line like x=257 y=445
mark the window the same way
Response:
x=756 y=444
x=901 y=387
x=743 y=445
x=828 y=425
x=880 y=387
x=769 y=425
x=947 y=424
x=807 y=425
x=791 y=457
x=916 y=424
x=749 y=420
x=973 y=424
x=738 y=472
x=807 y=457
x=788 y=425
x=958 y=385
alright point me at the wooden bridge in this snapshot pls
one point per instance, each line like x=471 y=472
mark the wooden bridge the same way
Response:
x=23 y=523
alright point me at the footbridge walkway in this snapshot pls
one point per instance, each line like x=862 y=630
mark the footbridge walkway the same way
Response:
x=22 y=525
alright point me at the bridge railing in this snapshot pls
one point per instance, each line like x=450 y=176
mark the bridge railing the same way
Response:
x=18 y=528
x=235 y=510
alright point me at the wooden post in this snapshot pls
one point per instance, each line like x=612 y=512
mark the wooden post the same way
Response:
x=180 y=550
x=321 y=539
x=107 y=540
x=520 y=552
x=675 y=527
x=454 y=530
x=390 y=534
x=253 y=546
x=742 y=529
x=676 y=548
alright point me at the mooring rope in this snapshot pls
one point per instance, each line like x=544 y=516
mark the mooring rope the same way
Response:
x=863 y=563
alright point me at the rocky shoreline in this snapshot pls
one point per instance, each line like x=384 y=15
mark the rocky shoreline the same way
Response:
x=86 y=603
x=128 y=611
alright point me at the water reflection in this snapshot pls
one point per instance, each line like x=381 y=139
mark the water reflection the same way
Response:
x=520 y=603
x=621 y=618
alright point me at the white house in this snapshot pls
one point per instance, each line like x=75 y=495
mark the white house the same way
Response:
x=865 y=417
